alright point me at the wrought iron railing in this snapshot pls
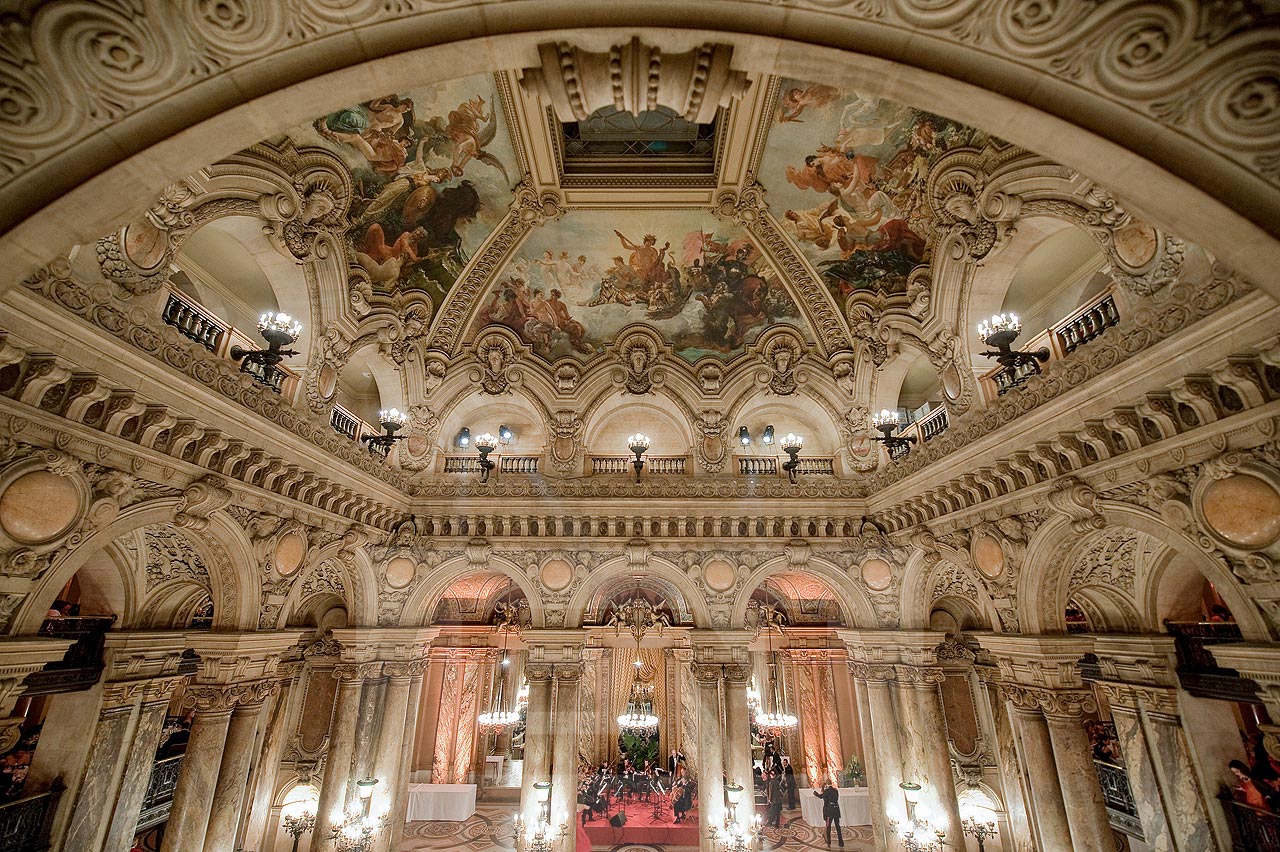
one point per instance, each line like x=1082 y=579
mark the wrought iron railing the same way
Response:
x=159 y=795
x=193 y=321
x=1118 y=795
x=25 y=823
x=1087 y=323
x=1198 y=671
x=82 y=664
x=1252 y=829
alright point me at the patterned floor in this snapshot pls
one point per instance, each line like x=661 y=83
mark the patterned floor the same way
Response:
x=489 y=830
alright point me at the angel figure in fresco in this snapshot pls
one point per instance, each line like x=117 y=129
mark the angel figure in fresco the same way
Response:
x=796 y=100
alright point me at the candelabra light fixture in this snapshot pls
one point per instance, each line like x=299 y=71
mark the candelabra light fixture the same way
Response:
x=542 y=835
x=979 y=831
x=486 y=444
x=886 y=423
x=299 y=817
x=358 y=826
x=391 y=420
x=772 y=718
x=638 y=616
x=732 y=835
x=791 y=445
x=917 y=834
x=279 y=330
x=1000 y=333
x=638 y=444
x=498 y=719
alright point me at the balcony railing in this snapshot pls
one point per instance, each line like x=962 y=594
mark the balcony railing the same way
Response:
x=1252 y=830
x=757 y=466
x=159 y=795
x=653 y=465
x=1198 y=672
x=193 y=321
x=817 y=466
x=344 y=422
x=519 y=464
x=82 y=664
x=1084 y=324
x=924 y=430
x=1118 y=796
x=25 y=823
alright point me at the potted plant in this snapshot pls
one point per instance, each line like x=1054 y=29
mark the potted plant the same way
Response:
x=853 y=774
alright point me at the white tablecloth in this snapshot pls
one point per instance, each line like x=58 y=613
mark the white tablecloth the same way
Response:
x=454 y=802
x=855 y=807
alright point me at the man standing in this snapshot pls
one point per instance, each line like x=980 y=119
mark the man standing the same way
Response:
x=830 y=797
x=773 y=795
x=789 y=782
x=674 y=761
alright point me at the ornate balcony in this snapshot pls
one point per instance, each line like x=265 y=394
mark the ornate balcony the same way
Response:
x=82 y=665
x=1118 y=795
x=1198 y=671
x=159 y=796
x=193 y=321
x=25 y=822
x=1252 y=830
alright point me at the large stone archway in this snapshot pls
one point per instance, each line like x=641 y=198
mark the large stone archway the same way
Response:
x=95 y=133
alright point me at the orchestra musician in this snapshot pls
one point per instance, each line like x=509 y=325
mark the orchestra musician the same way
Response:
x=681 y=795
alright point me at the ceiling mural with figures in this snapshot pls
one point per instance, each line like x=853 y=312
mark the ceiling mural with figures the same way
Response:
x=432 y=169
x=846 y=176
x=702 y=283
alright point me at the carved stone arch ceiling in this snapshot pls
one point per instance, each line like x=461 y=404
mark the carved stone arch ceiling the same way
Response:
x=658 y=591
x=471 y=599
x=807 y=600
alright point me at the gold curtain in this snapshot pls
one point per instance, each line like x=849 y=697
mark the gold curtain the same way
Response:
x=456 y=722
x=653 y=672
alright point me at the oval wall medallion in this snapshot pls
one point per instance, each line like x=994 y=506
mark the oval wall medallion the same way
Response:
x=327 y=381
x=718 y=575
x=556 y=575
x=1242 y=509
x=290 y=550
x=877 y=574
x=952 y=386
x=39 y=506
x=988 y=555
x=400 y=572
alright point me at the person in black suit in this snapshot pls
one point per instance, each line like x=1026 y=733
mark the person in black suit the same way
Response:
x=773 y=795
x=830 y=797
x=674 y=761
x=789 y=783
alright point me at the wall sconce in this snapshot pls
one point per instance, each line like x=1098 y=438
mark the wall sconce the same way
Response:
x=791 y=445
x=767 y=437
x=744 y=437
x=638 y=443
x=464 y=438
x=886 y=422
x=979 y=830
x=300 y=817
x=1000 y=333
x=485 y=444
x=505 y=434
x=391 y=420
x=279 y=330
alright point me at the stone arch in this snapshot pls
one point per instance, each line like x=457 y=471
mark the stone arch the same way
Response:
x=359 y=586
x=919 y=581
x=426 y=595
x=1042 y=586
x=855 y=606
x=224 y=545
x=602 y=575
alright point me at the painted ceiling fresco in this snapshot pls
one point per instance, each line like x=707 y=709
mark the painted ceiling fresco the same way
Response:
x=846 y=175
x=575 y=283
x=433 y=170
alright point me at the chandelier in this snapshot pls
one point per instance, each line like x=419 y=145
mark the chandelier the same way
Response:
x=359 y=826
x=638 y=616
x=772 y=718
x=732 y=835
x=497 y=719
x=391 y=420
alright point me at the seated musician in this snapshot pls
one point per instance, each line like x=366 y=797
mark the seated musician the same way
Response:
x=681 y=795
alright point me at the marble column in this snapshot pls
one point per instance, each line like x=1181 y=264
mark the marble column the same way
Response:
x=139 y=761
x=193 y=797
x=395 y=827
x=564 y=770
x=870 y=765
x=537 y=738
x=737 y=757
x=1081 y=793
x=263 y=780
x=389 y=757
x=1006 y=755
x=336 y=781
x=1038 y=769
x=936 y=759
x=233 y=774
x=884 y=729
x=710 y=748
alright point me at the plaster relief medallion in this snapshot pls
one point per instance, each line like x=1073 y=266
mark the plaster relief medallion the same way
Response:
x=1135 y=244
x=1243 y=509
x=988 y=555
x=145 y=244
x=39 y=506
x=556 y=575
x=400 y=572
x=327 y=381
x=718 y=575
x=417 y=445
x=877 y=574
x=290 y=550
x=952 y=385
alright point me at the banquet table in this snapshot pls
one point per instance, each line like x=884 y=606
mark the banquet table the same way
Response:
x=855 y=807
x=454 y=802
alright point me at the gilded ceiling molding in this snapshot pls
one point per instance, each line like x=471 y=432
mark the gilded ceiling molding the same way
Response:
x=635 y=77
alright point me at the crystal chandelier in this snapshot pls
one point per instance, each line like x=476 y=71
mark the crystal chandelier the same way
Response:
x=497 y=719
x=731 y=835
x=357 y=828
x=772 y=719
x=638 y=616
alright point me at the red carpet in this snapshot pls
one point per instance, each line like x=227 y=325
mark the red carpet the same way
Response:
x=641 y=828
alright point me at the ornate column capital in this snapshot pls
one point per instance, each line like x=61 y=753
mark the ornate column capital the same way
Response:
x=737 y=676
x=707 y=674
x=351 y=672
x=537 y=672
x=404 y=669
x=920 y=676
x=873 y=672
x=1055 y=704
x=567 y=672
